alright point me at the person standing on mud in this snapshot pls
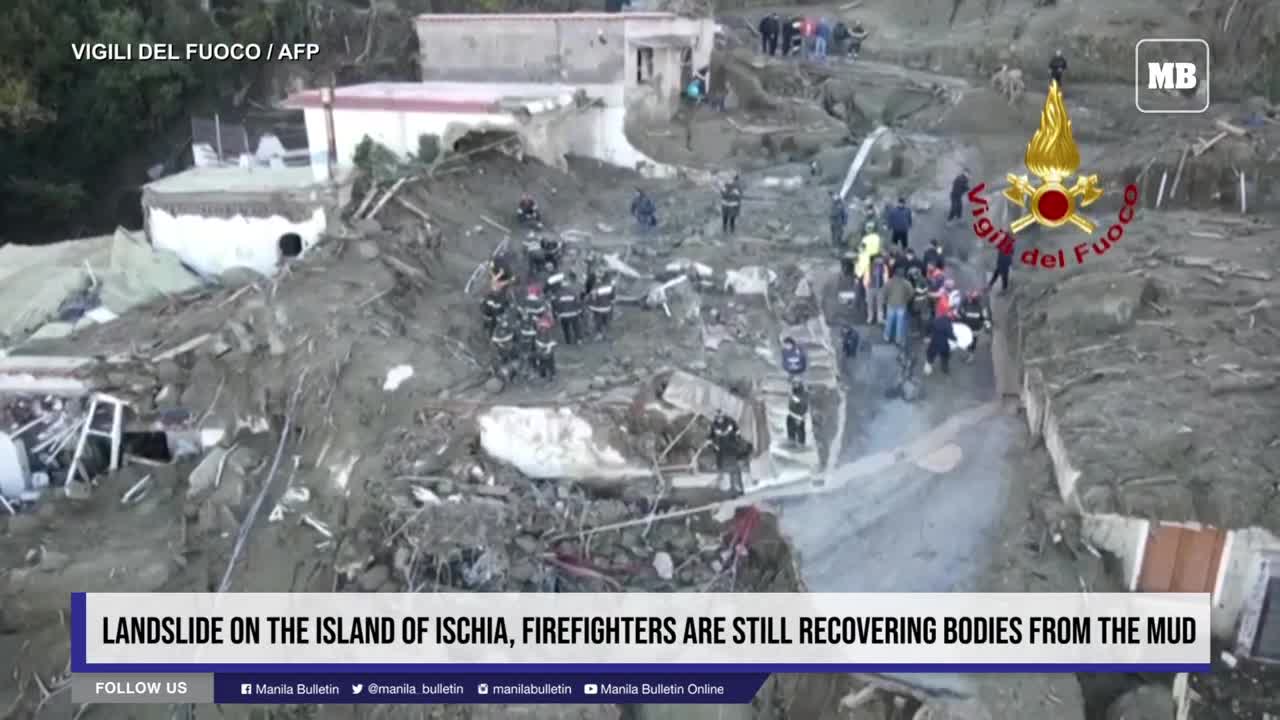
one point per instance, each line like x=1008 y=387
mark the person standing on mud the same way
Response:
x=544 y=353
x=600 y=303
x=1004 y=261
x=726 y=442
x=730 y=206
x=899 y=221
x=934 y=255
x=941 y=334
x=566 y=303
x=959 y=188
x=769 y=28
x=897 y=296
x=797 y=411
x=1057 y=67
x=877 y=277
x=839 y=221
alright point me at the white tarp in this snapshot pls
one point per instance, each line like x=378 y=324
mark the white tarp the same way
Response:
x=36 y=279
x=548 y=443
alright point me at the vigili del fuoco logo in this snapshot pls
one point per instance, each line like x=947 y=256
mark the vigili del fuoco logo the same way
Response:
x=1052 y=157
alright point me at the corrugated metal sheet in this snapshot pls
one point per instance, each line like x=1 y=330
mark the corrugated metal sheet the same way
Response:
x=694 y=394
x=1181 y=559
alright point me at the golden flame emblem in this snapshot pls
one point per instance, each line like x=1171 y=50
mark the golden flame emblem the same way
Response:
x=1052 y=156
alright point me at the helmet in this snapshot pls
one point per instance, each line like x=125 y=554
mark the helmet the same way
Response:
x=534 y=291
x=949 y=284
x=870 y=227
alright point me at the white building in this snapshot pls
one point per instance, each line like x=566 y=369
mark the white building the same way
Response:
x=564 y=83
x=219 y=218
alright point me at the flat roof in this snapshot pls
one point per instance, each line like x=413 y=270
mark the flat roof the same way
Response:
x=445 y=97
x=235 y=179
x=525 y=17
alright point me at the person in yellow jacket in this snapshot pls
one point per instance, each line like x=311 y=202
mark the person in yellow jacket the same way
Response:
x=869 y=248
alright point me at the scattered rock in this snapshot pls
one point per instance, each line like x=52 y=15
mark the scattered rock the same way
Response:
x=368 y=250
x=664 y=565
x=527 y=543
x=54 y=561
x=493 y=386
x=373 y=578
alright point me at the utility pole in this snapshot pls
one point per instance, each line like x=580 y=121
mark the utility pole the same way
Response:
x=327 y=96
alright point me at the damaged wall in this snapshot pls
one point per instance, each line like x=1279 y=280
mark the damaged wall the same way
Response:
x=1242 y=567
x=214 y=245
x=585 y=48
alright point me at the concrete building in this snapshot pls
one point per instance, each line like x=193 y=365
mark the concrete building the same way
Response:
x=218 y=218
x=563 y=83
x=398 y=114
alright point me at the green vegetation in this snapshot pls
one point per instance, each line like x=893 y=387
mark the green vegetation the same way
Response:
x=66 y=124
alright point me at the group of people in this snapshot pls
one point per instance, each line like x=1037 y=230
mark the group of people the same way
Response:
x=815 y=38
x=899 y=289
x=522 y=309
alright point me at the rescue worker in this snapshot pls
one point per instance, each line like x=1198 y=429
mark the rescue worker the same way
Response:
x=566 y=303
x=545 y=350
x=726 y=441
x=770 y=27
x=899 y=221
x=533 y=305
x=857 y=34
x=849 y=342
x=839 y=38
x=527 y=210
x=973 y=313
x=934 y=255
x=839 y=221
x=794 y=359
x=501 y=271
x=503 y=339
x=867 y=249
x=897 y=298
x=536 y=265
x=730 y=205
x=644 y=210
x=600 y=303
x=1004 y=261
x=552 y=252
x=790 y=28
x=1057 y=67
x=526 y=338
x=948 y=299
x=797 y=412
x=941 y=334
x=877 y=278
x=495 y=306
x=959 y=188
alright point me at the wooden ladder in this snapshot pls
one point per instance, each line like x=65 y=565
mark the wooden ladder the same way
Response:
x=74 y=487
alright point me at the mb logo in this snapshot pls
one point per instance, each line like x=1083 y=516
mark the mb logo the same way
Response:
x=1171 y=75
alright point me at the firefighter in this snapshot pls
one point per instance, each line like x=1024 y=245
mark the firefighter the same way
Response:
x=600 y=303
x=503 y=340
x=552 y=252
x=545 y=350
x=501 y=271
x=527 y=211
x=495 y=306
x=726 y=441
x=566 y=303
x=973 y=313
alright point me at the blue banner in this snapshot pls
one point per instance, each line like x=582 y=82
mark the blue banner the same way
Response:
x=372 y=688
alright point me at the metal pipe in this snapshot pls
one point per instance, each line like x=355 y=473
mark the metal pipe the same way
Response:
x=326 y=95
x=217 y=135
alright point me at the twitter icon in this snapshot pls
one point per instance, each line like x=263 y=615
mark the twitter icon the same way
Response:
x=357 y=688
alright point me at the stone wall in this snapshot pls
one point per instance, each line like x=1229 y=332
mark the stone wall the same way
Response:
x=521 y=49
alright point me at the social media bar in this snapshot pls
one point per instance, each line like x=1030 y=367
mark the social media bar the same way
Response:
x=728 y=688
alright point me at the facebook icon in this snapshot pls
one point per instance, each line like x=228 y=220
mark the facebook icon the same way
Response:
x=1171 y=75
